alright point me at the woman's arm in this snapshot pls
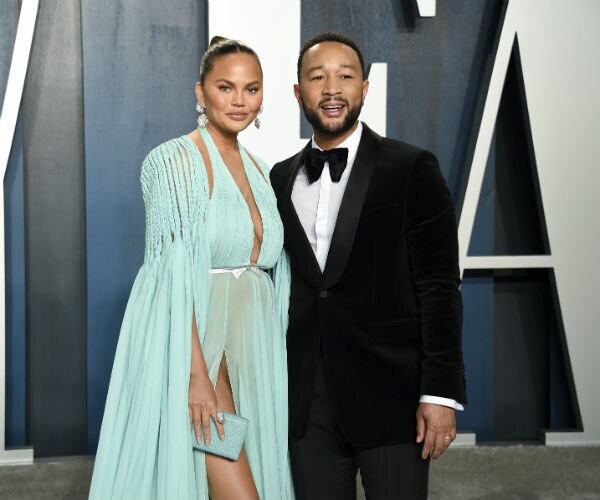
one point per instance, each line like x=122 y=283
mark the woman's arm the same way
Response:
x=202 y=401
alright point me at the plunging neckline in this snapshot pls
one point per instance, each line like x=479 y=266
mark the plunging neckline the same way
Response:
x=236 y=187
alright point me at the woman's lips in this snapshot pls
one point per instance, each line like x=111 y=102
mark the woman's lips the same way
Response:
x=238 y=117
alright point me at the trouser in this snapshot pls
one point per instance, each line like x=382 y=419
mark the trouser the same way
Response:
x=324 y=463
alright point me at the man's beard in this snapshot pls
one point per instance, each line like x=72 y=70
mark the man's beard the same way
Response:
x=334 y=130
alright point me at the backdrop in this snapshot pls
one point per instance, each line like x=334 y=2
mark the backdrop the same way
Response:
x=106 y=83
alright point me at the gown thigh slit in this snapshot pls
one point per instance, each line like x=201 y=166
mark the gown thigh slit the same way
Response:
x=145 y=448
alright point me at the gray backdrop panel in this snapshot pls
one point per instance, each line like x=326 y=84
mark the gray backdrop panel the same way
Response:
x=55 y=233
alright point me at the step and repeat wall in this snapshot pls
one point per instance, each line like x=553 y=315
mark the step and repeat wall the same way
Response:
x=504 y=93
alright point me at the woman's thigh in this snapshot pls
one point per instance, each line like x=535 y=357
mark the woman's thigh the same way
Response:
x=228 y=479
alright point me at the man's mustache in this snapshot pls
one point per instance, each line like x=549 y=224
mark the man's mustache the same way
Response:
x=331 y=100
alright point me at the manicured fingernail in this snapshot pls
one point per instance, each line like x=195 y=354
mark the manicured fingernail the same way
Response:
x=222 y=436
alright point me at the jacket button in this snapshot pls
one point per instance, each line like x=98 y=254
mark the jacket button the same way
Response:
x=323 y=294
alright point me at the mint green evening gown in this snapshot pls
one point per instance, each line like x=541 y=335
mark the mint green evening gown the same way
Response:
x=145 y=448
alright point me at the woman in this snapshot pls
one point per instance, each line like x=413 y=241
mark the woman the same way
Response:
x=204 y=329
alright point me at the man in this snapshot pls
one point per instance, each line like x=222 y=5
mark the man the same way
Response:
x=374 y=356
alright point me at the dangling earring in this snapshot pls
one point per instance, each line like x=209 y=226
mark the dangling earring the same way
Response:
x=257 y=119
x=202 y=118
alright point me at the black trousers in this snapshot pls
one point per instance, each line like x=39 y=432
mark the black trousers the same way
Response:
x=324 y=464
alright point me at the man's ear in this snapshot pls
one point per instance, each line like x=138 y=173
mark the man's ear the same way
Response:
x=365 y=89
x=298 y=94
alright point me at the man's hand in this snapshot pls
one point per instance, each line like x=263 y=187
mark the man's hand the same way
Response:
x=436 y=429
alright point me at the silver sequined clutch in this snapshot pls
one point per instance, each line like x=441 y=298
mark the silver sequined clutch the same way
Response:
x=235 y=431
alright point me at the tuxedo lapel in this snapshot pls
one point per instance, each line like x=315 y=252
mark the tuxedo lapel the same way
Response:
x=351 y=207
x=297 y=243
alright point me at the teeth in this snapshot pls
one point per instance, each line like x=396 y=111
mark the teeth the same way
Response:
x=332 y=107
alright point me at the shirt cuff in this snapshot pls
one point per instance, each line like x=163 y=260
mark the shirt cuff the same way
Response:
x=436 y=400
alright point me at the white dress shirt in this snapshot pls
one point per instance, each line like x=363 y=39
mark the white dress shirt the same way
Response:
x=318 y=205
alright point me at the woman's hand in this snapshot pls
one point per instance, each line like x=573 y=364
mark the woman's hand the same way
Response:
x=202 y=404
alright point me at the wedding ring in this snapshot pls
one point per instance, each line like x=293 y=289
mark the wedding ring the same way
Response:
x=220 y=417
x=447 y=437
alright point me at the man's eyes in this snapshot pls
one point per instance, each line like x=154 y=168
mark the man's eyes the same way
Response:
x=342 y=77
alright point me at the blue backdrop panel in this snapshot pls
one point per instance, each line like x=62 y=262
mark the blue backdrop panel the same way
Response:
x=14 y=248
x=478 y=350
x=140 y=65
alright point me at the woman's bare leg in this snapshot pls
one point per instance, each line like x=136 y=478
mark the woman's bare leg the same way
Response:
x=228 y=479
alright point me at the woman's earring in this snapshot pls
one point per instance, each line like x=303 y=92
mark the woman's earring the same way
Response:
x=257 y=120
x=202 y=118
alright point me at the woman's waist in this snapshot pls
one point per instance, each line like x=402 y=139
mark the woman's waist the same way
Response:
x=237 y=271
x=241 y=285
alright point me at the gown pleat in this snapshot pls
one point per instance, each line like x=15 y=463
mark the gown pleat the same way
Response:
x=145 y=448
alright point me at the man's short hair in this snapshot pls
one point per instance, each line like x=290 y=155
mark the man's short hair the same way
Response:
x=330 y=37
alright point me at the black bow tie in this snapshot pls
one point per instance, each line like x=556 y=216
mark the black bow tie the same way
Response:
x=314 y=161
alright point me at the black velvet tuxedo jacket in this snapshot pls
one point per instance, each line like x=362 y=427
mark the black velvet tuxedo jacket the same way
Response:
x=386 y=311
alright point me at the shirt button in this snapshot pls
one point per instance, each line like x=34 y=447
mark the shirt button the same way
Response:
x=323 y=294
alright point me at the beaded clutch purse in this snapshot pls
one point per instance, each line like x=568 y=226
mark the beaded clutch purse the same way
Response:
x=235 y=431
